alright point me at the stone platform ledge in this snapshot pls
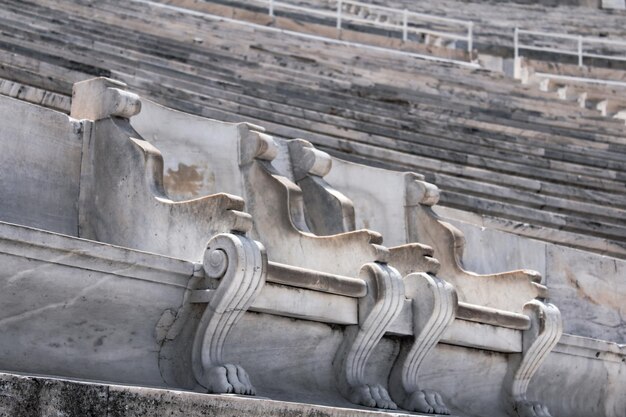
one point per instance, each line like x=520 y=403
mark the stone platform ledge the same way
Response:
x=37 y=396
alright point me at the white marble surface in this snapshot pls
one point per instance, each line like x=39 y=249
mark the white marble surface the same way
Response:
x=40 y=152
x=83 y=309
x=190 y=145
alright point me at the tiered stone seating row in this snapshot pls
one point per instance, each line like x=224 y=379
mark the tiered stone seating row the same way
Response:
x=600 y=89
x=494 y=22
x=530 y=160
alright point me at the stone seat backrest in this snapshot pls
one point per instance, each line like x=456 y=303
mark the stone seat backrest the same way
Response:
x=399 y=205
x=122 y=200
x=40 y=159
x=207 y=156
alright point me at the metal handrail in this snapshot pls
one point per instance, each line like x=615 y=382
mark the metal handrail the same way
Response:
x=405 y=19
x=580 y=44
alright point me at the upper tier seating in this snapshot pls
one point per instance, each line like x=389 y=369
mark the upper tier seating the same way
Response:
x=495 y=147
x=493 y=23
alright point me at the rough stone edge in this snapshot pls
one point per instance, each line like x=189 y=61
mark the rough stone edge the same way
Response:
x=28 y=396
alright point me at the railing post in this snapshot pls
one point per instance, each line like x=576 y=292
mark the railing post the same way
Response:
x=339 y=14
x=405 y=25
x=580 y=50
x=470 y=39
x=271 y=8
x=516 y=43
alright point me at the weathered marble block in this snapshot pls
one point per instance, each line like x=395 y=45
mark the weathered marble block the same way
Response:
x=84 y=309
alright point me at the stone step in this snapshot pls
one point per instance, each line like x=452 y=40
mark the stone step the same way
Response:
x=25 y=395
x=35 y=95
x=524 y=227
x=539 y=217
x=560 y=237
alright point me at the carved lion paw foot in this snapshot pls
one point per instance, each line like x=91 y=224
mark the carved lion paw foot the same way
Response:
x=426 y=401
x=531 y=409
x=374 y=396
x=229 y=379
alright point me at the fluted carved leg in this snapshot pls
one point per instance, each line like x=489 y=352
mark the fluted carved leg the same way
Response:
x=235 y=268
x=377 y=310
x=434 y=303
x=544 y=333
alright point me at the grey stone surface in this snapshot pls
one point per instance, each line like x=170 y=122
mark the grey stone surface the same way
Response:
x=84 y=309
x=28 y=396
x=44 y=397
x=590 y=371
x=43 y=192
x=591 y=290
x=614 y=4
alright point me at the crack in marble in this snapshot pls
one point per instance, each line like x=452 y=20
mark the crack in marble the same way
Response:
x=31 y=313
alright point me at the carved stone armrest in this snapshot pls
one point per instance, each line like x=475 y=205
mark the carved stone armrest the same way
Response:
x=413 y=257
x=434 y=305
x=508 y=291
x=377 y=310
